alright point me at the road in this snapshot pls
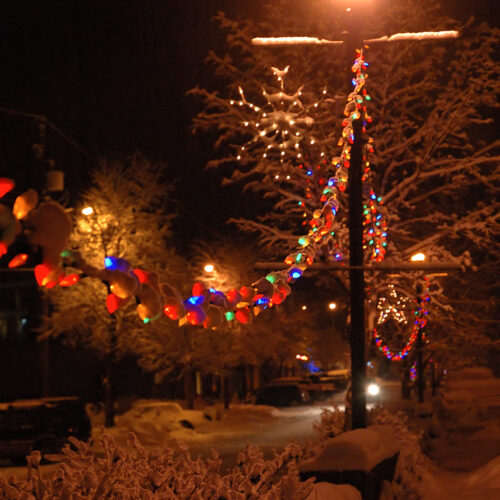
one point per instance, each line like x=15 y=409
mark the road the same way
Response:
x=264 y=426
x=275 y=430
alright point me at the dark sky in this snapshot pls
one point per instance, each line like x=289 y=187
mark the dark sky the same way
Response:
x=113 y=76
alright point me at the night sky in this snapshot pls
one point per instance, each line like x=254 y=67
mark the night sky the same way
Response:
x=113 y=75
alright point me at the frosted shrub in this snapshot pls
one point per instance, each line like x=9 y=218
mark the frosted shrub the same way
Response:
x=412 y=464
x=331 y=423
x=162 y=473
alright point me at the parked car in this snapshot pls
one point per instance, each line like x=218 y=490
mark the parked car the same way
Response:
x=282 y=394
x=323 y=386
x=43 y=424
x=302 y=381
x=340 y=378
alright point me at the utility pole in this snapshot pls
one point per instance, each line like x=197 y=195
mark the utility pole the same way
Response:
x=354 y=40
x=356 y=256
x=420 y=349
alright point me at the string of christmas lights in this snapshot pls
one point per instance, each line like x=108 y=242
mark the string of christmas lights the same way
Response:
x=50 y=228
x=281 y=131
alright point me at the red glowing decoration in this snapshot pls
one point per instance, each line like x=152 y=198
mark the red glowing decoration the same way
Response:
x=41 y=273
x=18 y=260
x=113 y=303
x=247 y=293
x=198 y=289
x=3 y=248
x=244 y=316
x=278 y=298
x=6 y=185
x=172 y=311
x=142 y=276
x=196 y=315
x=233 y=297
x=69 y=280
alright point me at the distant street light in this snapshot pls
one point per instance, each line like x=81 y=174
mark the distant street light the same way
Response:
x=87 y=211
x=418 y=257
x=332 y=306
x=209 y=268
x=304 y=307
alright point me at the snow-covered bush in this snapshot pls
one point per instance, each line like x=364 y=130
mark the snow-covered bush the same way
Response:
x=136 y=472
x=412 y=463
x=331 y=423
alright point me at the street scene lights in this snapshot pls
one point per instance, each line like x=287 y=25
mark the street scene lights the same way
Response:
x=209 y=268
x=87 y=211
x=332 y=306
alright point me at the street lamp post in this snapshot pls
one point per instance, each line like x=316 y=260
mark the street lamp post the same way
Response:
x=356 y=258
x=353 y=39
x=420 y=349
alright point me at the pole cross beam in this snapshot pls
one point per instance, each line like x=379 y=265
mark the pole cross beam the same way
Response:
x=354 y=40
x=378 y=267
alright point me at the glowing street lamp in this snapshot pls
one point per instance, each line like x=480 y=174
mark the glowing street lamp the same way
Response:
x=209 y=268
x=332 y=306
x=304 y=307
x=87 y=211
x=418 y=257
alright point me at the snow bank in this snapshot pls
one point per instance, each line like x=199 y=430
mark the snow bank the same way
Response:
x=458 y=397
x=329 y=491
x=481 y=484
x=361 y=449
x=153 y=421
x=477 y=372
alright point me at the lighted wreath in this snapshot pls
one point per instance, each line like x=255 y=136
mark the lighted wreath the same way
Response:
x=394 y=306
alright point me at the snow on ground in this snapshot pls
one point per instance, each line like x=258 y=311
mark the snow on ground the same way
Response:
x=360 y=449
x=158 y=422
x=461 y=434
x=481 y=484
x=465 y=427
x=329 y=491
x=463 y=438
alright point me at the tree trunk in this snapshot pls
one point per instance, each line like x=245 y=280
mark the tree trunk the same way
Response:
x=45 y=366
x=224 y=389
x=109 y=396
x=405 y=381
x=44 y=350
x=189 y=388
x=434 y=378
x=255 y=376
x=420 y=366
x=248 y=378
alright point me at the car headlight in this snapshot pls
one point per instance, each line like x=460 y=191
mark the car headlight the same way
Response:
x=373 y=389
